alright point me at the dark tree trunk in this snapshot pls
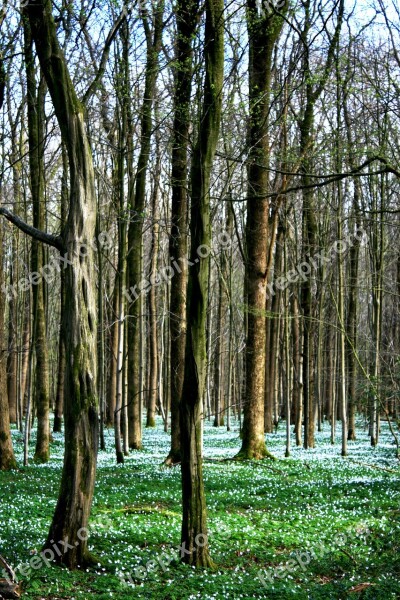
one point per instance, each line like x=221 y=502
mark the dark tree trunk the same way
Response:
x=12 y=362
x=298 y=372
x=351 y=322
x=187 y=16
x=194 y=519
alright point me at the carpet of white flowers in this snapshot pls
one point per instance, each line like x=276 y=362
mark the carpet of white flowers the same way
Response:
x=312 y=526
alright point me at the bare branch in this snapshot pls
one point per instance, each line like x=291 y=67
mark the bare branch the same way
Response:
x=104 y=57
x=41 y=236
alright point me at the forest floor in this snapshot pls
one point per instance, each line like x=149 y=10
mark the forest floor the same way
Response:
x=312 y=526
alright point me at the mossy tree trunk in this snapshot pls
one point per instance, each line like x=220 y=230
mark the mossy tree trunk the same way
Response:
x=263 y=30
x=36 y=137
x=71 y=516
x=187 y=16
x=194 y=520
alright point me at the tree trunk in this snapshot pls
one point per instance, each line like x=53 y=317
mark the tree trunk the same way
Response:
x=36 y=117
x=220 y=347
x=59 y=407
x=112 y=376
x=12 y=362
x=352 y=311
x=342 y=332
x=263 y=33
x=309 y=223
x=187 y=18
x=137 y=195
x=272 y=349
x=298 y=371
x=194 y=520
x=309 y=248
x=155 y=391
x=120 y=278
x=7 y=458
x=26 y=342
x=71 y=515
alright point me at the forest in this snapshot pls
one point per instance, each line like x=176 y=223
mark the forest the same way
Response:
x=199 y=299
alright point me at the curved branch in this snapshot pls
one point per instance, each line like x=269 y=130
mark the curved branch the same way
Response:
x=47 y=238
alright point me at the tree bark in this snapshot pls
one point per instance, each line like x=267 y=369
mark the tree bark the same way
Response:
x=187 y=16
x=219 y=419
x=35 y=103
x=122 y=247
x=155 y=391
x=263 y=31
x=112 y=360
x=352 y=310
x=71 y=515
x=309 y=223
x=135 y=233
x=59 y=406
x=7 y=458
x=194 y=519
x=273 y=324
x=12 y=362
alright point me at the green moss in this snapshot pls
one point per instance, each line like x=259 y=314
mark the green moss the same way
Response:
x=255 y=452
x=42 y=456
x=8 y=464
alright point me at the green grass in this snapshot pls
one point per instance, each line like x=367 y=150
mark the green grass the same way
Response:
x=261 y=515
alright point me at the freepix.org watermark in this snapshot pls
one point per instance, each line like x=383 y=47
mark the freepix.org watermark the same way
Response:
x=222 y=241
x=163 y=560
x=303 y=271
x=46 y=556
x=54 y=266
x=301 y=559
x=267 y=7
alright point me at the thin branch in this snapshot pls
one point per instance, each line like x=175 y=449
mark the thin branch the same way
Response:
x=104 y=57
x=357 y=172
